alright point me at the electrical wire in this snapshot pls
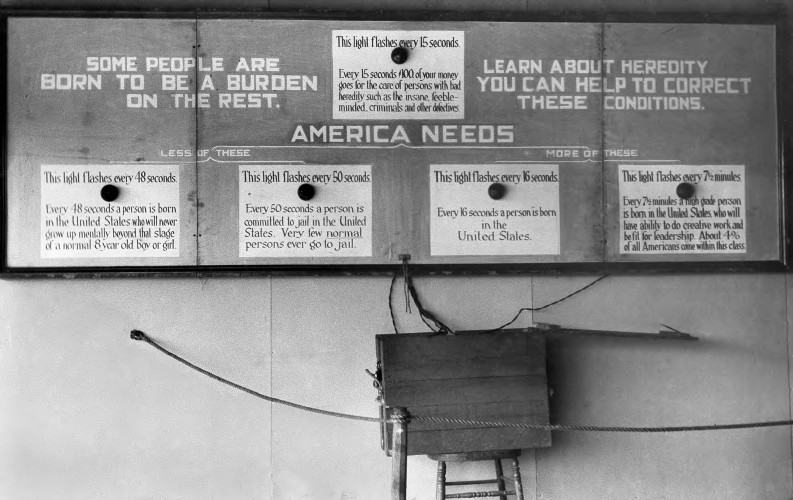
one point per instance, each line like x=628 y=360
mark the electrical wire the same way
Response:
x=140 y=336
x=391 y=303
x=557 y=301
x=436 y=325
x=428 y=317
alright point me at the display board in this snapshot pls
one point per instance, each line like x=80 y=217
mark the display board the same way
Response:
x=159 y=143
x=712 y=189
x=71 y=130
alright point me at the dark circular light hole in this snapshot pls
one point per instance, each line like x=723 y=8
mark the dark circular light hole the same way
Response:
x=305 y=192
x=400 y=55
x=496 y=191
x=109 y=192
x=685 y=190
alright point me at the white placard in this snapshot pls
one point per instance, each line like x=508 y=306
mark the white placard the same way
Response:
x=77 y=223
x=465 y=220
x=275 y=222
x=654 y=219
x=369 y=85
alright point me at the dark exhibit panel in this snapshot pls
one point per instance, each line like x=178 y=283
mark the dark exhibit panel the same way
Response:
x=86 y=178
x=284 y=144
x=711 y=189
x=393 y=173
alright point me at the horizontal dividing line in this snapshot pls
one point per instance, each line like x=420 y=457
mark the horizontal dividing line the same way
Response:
x=588 y=160
x=155 y=162
x=466 y=356
x=646 y=161
x=421 y=426
x=539 y=377
x=302 y=162
x=409 y=397
x=549 y=162
x=145 y=162
x=467 y=429
x=439 y=349
x=484 y=359
x=291 y=162
x=388 y=381
x=394 y=146
x=477 y=405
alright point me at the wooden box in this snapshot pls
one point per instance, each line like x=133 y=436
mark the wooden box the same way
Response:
x=487 y=377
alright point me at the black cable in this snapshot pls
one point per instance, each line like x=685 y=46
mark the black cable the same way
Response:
x=438 y=326
x=405 y=274
x=425 y=315
x=407 y=293
x=391 y=303
x=524 y=309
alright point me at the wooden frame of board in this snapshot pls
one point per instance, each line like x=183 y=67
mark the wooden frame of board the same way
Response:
x=431 y=266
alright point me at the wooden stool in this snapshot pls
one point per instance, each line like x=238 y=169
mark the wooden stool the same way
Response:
x=496 y=456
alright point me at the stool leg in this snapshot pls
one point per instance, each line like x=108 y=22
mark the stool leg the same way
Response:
x=500 y=479
x=399 y=462
x=516 y=477
x=440 y=491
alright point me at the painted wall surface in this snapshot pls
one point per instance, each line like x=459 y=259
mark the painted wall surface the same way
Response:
x=86 y=413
